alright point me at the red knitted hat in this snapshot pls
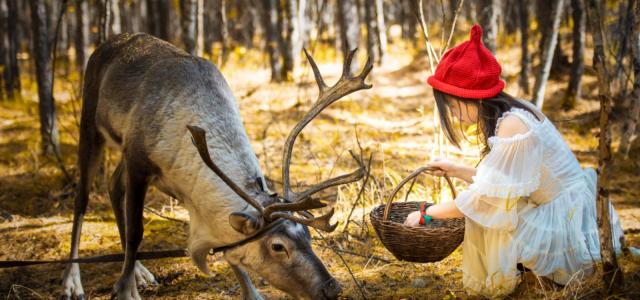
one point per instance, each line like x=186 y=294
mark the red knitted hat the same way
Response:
x=468 y=70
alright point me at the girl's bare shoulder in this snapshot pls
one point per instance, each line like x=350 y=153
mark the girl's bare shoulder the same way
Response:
x=511 y=125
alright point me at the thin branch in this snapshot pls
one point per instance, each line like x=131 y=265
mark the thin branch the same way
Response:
x=364 y=184
x=425 y=31
x=356 y=254
x=453 y=27
x=406 y=197
x=345 y=264
x=159 y=214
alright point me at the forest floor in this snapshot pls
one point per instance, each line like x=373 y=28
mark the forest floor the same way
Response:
x=393 y=121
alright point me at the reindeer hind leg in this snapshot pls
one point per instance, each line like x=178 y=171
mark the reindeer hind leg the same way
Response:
x=89 y=155
x=117 y=194
x=136 y=185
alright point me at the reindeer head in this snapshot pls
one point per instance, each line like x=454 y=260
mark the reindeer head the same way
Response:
x=282 y=252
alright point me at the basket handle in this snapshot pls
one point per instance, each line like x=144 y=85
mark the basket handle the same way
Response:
x=411 y=176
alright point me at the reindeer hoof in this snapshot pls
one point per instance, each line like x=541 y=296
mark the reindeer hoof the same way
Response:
x=126 y=289
x=144 y=278
x=71 y=283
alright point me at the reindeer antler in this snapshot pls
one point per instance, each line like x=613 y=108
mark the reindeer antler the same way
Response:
x=304 y=201
x=346 y=85
x=200 y=141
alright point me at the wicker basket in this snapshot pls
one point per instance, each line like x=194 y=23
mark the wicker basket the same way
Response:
x=429 y=243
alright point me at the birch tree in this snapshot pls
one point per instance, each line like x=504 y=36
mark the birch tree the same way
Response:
x=9 y=48
x=82 y=33
x=612 y=275
x=577 y=64
x=188 y=15
x=47 y=111
x=547 y=53
x=525 y=60
x=349 y=28
x=631 y=127
x=292 y=41
x=270 y=21
x=488 y=12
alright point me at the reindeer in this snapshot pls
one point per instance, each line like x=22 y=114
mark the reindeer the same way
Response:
x=143 y=96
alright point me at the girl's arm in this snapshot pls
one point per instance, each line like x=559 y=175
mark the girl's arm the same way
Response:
x=436 y=211
x=453 y=169
x=444 y=210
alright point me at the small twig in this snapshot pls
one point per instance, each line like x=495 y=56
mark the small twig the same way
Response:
x=157 y=213
x=15 y=291
x=345 y=264
x=453 y=27
x=425 y=32
x=369 y=257
x=355 y=203
x=444 y=21
x=406 y=197
x=265 y=131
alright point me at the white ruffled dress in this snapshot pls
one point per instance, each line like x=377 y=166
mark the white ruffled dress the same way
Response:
x=531 y=203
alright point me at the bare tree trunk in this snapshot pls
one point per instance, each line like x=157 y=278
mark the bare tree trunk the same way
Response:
x=200 y=28
x=270 y=20
x=525 y=61
x=291 y=38
x=371 y=22
x=631 y=126
x=192 y=23
x=488 y=12
x=577 y=65
x=115 y=25
x=14 y=47
x=381 y=31
x=612 y=275
x=82 y=33
x=224 y=31
x=547 y=54
x=63 y=40
x=188 y=12
x=510 y=15
x=208 y=33
x=48 y=126
x=10 y=46
x=136 y=21
x=408 y=20
x=4 y=52
x=163 y=19
x=158 y=18
x=153 y=18
x=622 y=39
x=105 y=20
x=349 y=28
x=303 y=26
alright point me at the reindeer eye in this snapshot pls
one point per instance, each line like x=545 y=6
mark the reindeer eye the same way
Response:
x=277 y=247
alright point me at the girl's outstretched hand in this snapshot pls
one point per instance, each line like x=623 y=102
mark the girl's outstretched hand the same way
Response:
x=452 y=169
x=413 y=219
x=444 y=166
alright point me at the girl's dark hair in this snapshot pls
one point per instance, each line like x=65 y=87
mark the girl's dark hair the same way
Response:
x=489 y=111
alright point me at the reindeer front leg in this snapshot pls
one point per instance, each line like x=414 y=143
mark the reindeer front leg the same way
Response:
x=136 y=183
x=249 y=291
x=116 y=194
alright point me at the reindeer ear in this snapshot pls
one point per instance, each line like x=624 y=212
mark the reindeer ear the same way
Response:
x=245 y=223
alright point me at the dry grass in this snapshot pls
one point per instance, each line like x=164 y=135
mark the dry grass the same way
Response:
x=393 y=121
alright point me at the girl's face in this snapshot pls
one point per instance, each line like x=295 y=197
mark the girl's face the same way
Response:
x=465 y=113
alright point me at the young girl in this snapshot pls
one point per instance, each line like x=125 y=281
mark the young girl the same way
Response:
x=528 y=201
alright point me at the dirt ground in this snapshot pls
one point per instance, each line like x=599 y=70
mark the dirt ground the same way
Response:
x=393 y=121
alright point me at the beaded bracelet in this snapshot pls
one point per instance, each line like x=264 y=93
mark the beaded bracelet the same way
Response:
x=424 y=218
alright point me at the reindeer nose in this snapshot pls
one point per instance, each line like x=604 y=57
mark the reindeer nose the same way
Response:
x=332 y=289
